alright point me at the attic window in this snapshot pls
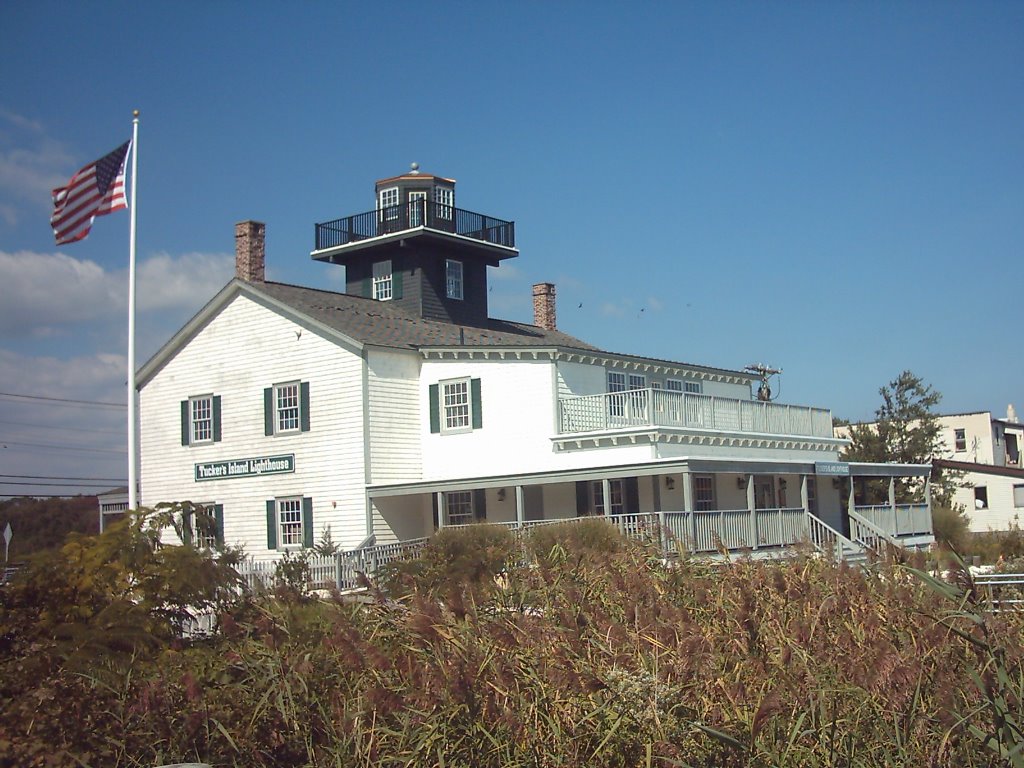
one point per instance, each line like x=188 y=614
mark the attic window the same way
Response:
x=444 y=199
x=453 y=278
x=382 y=280
x=960 y=438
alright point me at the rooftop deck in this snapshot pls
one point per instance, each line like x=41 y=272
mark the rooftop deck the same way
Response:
x=687 y=410
x=414 y=215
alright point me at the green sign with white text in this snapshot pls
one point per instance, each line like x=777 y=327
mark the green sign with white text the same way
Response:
x=259 y=465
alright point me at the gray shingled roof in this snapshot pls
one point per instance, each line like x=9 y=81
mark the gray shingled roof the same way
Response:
x=387 y=325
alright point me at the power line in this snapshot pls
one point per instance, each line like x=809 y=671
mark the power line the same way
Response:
x=54 y=477
x=5 y=443
x=63 y=428
x=64 y=400
x=56 y=485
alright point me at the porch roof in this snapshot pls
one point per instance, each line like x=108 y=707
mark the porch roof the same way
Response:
x=645 y=469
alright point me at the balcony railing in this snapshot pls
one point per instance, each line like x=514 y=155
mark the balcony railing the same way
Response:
x=663 y=408
x=415 y=213
x=908 y=520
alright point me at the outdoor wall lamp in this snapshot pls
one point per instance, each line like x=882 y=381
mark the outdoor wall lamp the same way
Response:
x=501 y=494
x=670 y=482
x=741 y=482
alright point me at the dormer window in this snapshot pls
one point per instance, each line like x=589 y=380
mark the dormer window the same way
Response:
x=453 y=278
x=388 y=203
x=382 y=286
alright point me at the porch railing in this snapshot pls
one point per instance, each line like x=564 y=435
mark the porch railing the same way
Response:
x=663 y=408
x=411 y=215
x=908 y=520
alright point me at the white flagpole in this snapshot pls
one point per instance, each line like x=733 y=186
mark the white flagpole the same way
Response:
x=133 y=482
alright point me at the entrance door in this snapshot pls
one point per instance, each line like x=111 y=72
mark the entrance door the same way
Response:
x=764 y=492
x=417 y=209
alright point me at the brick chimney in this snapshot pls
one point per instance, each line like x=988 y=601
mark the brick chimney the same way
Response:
x=250 y=251
x=544 y=306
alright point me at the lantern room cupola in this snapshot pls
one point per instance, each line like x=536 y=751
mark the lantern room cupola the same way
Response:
x=416 y=249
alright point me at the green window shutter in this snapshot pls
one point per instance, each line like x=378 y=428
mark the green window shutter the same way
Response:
x=218 y=517
x=216 y=418
x=307 y=522
x=271 y=524
x=480 y=504
x=268 y=411
x=186 y=526
x=367 y=287
x=396 y=285
x=184 y=422
x=478 y=417
x=304 y=406
x=437 y=514
x=435 y=410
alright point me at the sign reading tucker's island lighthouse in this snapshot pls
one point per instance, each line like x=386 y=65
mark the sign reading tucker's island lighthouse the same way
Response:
x=259 y=465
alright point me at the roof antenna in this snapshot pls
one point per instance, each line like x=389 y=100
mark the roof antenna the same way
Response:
x=764 y=372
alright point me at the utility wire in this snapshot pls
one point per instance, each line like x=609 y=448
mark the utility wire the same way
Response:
x=54 y=477
x=64 y=400
x=61 y=447
x=63 y=428
x=56 y=485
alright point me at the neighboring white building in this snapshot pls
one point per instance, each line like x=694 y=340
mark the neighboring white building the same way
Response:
x=988 y=451
x=399 y=406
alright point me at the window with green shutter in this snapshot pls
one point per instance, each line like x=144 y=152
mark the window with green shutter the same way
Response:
x=290 y=523
x=200 y=420
x=286 y=408
x=456 y=405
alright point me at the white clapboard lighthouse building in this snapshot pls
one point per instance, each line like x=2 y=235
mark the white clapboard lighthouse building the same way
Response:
x=400 y=406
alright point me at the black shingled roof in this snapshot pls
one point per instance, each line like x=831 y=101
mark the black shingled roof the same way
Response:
x=383 y=324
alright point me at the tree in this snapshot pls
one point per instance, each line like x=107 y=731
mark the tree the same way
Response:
x=905 y=431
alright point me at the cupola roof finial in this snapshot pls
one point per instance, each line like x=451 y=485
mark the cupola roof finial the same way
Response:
x=414 y=168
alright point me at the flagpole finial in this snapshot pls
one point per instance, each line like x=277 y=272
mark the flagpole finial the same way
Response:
x=135 y=113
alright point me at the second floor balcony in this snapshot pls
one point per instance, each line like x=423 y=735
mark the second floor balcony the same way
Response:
x=415 y=214
x=687 y=410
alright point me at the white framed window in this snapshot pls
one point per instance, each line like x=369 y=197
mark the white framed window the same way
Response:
x=289 y=522
x=1018 y=496
x=637 y=381
x=388 y=203
x=703 y=492
x=453 y=278
x=209 y=534
x=286 y=407
x=960 y=439
x=382 y=285
x=694 y=387
x=616 y=383
x=455 y=406
x=674 y=385
x=615 y=491
x=201 y=419
x=459 y=507
x=444 y=197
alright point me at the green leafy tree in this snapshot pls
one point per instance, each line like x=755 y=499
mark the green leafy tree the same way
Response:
x=905 y=431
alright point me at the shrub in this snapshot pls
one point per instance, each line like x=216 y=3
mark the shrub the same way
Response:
x=454 y=561
x=553 y=543
x=951 y=528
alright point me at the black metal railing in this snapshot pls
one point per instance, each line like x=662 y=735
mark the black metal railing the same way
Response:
x=415 y=213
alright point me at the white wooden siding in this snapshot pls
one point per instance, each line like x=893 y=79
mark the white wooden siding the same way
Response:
x=394 y=416
x=241 y=351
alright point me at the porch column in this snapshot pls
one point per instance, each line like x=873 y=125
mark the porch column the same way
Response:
x=659 y=508
x=753 y=510
x=688 y=508
x=894 y=525
x=520 y=512
x=853 y=495
x=928 y=501
x=606 y=494
x=805 y=500
x=442 y=511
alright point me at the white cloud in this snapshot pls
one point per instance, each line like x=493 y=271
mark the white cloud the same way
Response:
x=612 y=309
x=183 y=282
x=46 y=293
x=654 y=304
x=98 y=377
x=31 y=164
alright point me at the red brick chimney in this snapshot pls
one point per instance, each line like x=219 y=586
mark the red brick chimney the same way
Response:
x=544 y=306
x=250 y=251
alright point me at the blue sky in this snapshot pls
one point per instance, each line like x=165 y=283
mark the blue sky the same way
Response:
x=836 y=189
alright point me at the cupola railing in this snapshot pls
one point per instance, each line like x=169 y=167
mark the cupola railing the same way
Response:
x=412 y=215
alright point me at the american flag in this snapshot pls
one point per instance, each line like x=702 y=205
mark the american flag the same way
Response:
x=95 y=190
